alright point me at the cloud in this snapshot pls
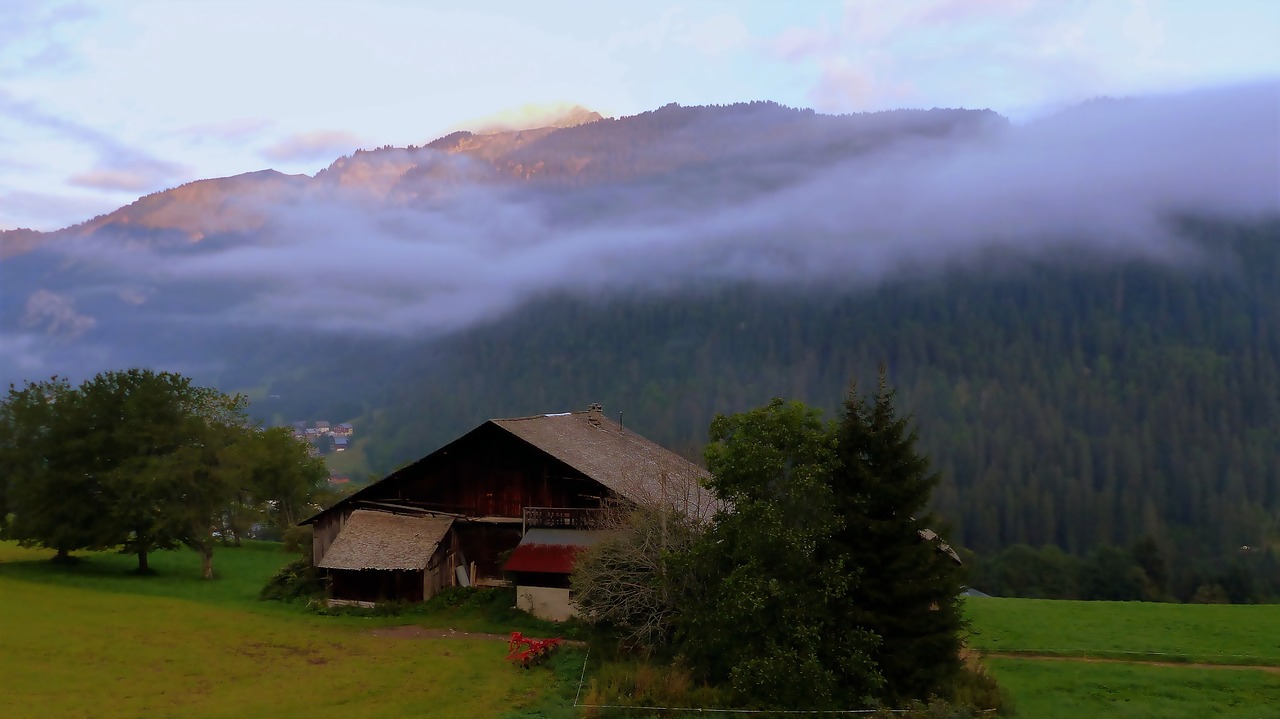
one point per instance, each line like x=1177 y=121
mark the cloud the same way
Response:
x=139 y=176
x=235 y=130
x=30 y=36
x=1017 y=56
x=1101 y=181
x=314 y=145
x=55 y=314
x=21 y=354
x=119 y=166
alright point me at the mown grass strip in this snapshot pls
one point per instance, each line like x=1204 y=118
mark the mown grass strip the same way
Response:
x=1074 y=689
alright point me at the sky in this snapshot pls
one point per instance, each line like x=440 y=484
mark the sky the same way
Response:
x=104 y=101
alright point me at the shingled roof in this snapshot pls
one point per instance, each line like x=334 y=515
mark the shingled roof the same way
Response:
x=625 y=462
x=631 y=466
x=381 y=540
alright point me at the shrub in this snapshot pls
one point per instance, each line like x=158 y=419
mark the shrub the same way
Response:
x=297 y=540
x=977 y=690
x=296 y=580
x=641 y=684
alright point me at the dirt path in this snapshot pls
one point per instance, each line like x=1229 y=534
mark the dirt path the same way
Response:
x=413 y=631
x=1147 y=662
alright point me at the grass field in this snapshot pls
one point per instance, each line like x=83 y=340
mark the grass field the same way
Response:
x=1206 y=633
x=94 y=640
x=1125 y=634
x=1067 y=689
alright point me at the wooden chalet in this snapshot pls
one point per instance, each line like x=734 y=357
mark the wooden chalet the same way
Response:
x=453 y=516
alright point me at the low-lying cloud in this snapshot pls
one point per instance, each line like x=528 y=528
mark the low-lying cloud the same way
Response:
x=308 y=146
x=55 y=314
x=1101 y=180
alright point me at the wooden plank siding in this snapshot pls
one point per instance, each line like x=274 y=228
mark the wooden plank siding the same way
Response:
x=486 y=545
x=325 y=530
x=490 y=474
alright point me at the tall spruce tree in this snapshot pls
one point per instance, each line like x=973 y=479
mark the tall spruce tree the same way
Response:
x=910 y=580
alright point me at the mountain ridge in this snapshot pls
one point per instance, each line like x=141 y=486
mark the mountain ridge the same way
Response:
x=207 y=206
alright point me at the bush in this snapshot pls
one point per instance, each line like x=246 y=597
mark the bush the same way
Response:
x=297 y=540
x=296 y=580
x=641 y=684
x=977 y=690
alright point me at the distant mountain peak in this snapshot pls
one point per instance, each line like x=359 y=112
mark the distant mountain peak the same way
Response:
x=577 y=115
x=535 y=117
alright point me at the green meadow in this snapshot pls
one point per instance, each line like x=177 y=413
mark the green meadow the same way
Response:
x=1070 y=689
x=94 y=640
x=1201 y=633
x=1131 y=660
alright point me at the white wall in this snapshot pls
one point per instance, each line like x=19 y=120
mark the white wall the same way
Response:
x=545 y=602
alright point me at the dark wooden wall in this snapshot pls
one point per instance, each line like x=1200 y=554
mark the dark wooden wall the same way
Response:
x=487 y=545
x=374 y=585
x=490 y=473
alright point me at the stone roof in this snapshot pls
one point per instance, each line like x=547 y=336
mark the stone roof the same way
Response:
x=381 y=540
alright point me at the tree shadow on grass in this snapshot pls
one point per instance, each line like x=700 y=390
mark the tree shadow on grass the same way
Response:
x=241 y=572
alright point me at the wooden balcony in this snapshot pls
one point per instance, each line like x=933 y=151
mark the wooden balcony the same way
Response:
x=561 y=518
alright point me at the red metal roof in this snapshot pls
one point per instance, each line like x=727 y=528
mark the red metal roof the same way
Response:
x=547 y=558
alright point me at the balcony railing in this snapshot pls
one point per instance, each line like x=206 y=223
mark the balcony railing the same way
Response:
x=561 y=518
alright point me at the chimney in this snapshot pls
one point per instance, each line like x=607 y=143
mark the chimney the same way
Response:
x=595 y=414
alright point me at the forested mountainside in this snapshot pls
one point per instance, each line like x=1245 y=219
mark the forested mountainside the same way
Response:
x=1063 y=402
x=1085 y=368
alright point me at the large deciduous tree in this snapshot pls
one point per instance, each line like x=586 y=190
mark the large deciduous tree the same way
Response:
x=284 y=478
x=144 y=461
x=158 y=445
x=769 y=619
x=50 y=498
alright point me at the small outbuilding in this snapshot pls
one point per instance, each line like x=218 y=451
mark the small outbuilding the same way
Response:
x=540 y=567
x=382 y=556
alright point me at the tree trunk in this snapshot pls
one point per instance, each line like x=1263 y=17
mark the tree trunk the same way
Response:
x=206 y=562
x=63 y=555
x=142 y=562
